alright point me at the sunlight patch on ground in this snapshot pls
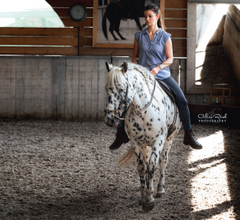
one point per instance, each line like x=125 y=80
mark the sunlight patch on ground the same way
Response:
x=209 y=183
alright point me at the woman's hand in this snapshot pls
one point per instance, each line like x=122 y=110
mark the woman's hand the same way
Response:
x=155 y=70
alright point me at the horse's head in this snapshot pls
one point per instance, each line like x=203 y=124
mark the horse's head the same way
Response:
x=118 y=93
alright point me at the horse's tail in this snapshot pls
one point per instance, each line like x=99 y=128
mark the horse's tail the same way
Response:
x=104 y=24
x=128 y=158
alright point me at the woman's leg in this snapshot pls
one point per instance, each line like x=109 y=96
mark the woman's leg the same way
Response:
x=184 y=113
x=181 y=102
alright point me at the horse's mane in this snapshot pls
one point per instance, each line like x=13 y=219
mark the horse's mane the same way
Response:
x=145 y=72
x=114 y=77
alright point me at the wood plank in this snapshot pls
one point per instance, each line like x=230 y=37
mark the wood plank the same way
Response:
x=73 y=51
x=105 y=51
x=68 y=3
x=176 y=23
x=68 y=22
x=176 y=4
x=179 y=42
x=38 y=41
x=179 y=52
x=175 y=13
x=177 y=32
x=85 y=32
x=39 y=31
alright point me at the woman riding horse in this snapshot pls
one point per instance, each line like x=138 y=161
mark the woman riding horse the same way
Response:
x=154 y=45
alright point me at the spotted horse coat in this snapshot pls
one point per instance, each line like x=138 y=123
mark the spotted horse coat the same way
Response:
x=133 y=96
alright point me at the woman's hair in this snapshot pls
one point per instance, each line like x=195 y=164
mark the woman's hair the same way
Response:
x=156 y=10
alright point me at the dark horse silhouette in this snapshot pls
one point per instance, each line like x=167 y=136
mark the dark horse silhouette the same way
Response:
x=124 y=9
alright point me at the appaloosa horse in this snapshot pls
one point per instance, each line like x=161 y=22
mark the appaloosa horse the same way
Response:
x=134 y=96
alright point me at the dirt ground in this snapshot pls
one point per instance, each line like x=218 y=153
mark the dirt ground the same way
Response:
x=64 y=170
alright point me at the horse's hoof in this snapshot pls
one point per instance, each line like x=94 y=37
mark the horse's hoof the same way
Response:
x=148 y=206
x=161 y=195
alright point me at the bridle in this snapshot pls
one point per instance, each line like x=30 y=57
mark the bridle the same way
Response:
x=124 y=102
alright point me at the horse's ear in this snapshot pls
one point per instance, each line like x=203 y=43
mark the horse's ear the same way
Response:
x=124 y=67
x=109 y=66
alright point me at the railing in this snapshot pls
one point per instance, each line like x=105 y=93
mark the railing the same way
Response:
x=39 y=41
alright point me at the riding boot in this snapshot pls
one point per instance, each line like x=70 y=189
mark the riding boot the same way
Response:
x=121 y=137
x=190 y=140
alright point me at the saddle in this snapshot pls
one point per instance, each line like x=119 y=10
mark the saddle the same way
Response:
x=167 y=90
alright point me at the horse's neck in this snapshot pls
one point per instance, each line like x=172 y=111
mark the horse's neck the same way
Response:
x=142 y=89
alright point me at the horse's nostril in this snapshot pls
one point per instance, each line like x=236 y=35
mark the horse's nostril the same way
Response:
x=112 y=121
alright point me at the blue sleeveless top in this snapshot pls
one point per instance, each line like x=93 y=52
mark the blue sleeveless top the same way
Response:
x=152 y=53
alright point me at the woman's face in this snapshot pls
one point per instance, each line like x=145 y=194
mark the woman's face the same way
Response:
x=150 y=18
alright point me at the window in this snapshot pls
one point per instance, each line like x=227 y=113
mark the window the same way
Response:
x=28 y=13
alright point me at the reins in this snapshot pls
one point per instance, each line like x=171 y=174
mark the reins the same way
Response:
x=140 y=111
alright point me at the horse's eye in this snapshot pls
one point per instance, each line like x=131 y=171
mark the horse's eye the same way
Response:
x=120 y=90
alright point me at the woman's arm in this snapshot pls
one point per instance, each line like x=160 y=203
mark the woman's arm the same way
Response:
x=169 y=57
x=135 y=52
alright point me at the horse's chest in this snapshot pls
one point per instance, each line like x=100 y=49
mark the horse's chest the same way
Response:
x=146 y=131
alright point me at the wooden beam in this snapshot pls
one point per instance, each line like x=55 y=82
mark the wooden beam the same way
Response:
x=39 y=50
x=38 y=41
x=176 y=23
x=176 y=4
x=68 y=3
x=177 y=32
x=175 y=13
x=39 y=31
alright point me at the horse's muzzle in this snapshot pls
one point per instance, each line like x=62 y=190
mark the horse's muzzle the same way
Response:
x=110 y=120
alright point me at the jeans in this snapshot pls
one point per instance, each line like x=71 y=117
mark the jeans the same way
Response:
x=181 y=102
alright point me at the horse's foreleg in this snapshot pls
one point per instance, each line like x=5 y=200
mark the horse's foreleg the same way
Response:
x=149 y=204
x=111 y=30
x=163 y=163
x=117 y=30
x=142 y=168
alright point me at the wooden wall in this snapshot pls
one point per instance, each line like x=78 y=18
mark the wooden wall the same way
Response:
x=175 y=15
x=76 y=37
